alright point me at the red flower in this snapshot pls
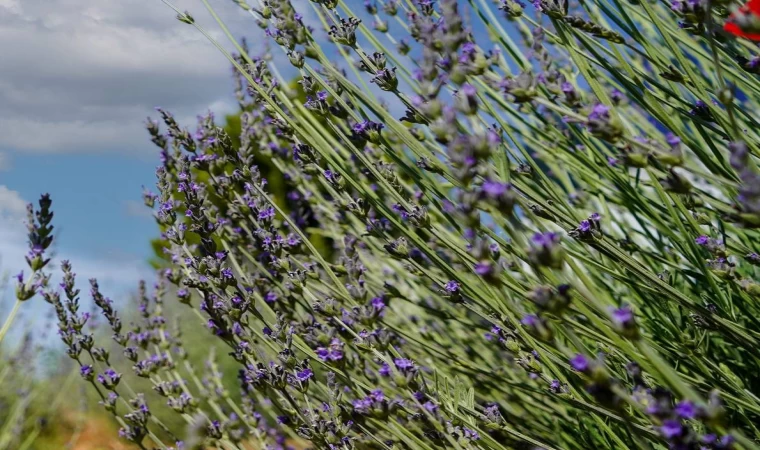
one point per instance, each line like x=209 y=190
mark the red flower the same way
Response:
x=736 y=23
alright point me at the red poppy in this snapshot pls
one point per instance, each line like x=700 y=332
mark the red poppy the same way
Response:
x=752 y=8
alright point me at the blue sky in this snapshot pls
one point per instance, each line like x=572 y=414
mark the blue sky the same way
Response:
x=97 y=199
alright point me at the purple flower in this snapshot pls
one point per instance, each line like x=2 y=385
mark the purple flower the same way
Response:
x=622 y=316
x=451 y=286
x=36 y=250
x=363 y=405
x=266 y=213
x=580 y=362
x=403 y=364
x=701 y=110
x=304 y=375
x=753 y=258
x=494 y=189
x=531 y=320
x=86 y=372
x=484 y=268
x=673 y=140
x=545 y=250
x=599 y=112
x=322 y=353
x=332 y=353
x=671 y=429
x=283 y=420
x=686 y=409
x=378 y=303
x=702 y=240
x=708 y=439
x=468 y=89
x=367 y=129
x=377 y=395
x=471 y=434
x=110 y=378
x=430 y=406
x=545 y=239
x=617 y=96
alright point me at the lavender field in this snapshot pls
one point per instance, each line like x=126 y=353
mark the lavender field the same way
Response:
x=473 y=224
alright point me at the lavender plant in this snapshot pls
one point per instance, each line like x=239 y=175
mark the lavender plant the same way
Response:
x=23 y=414
x=544 y=229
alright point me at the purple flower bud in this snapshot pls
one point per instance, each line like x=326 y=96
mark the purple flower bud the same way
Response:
x=377 y=303
x=580 y=362
x=430 y=406
x=451 y=286
x=599 y=112
x=673 y=140
x=545 y=239
x=622 y=316
x=671 y=429
x=471 y=434
x=86 y=372
x=403 y=364
x=304 y=375
x=708 y=439
x=617 y=96
x=484 y=268
x=531 y=320
x=494 y=190
x=686 y=409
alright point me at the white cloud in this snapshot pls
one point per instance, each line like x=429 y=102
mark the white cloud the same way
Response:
x=12 y=206
x=82 y=76
x=12 y=213
x=137 y=209
x=5 y=160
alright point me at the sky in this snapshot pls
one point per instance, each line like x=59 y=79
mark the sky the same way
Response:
x=78 y=79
